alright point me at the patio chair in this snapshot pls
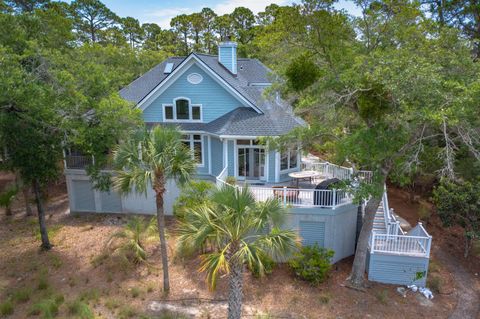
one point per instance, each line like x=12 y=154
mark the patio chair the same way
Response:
x=291 y=193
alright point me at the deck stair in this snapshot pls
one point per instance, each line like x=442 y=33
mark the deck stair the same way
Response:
x=379 y=225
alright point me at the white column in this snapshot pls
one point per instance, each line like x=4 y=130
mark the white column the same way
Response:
x=209 y=141
x=277 y=167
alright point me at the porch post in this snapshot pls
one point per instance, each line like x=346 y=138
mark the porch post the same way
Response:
x=285 y=195
x=334 y=198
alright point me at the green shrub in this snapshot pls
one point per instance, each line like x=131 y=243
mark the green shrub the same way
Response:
x=268 y=264
x=80 y=309
x=47 y=308
x=382 y=296
x=193 y=194
x=43 y=283
x=127 y=312
x=112 y=304
x=22 y=295
x=312 y=263
x=434 y=283
x=6 y=308
x=131 y=241
x=90 y=295
x=7 y=197
x=135 y=292
x=231 y=180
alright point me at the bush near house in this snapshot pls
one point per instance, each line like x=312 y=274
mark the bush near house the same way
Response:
x=312 y=263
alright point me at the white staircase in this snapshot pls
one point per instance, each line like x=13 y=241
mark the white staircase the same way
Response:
x=379 y=225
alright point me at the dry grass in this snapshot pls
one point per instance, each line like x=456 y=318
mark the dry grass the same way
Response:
x=88 y=279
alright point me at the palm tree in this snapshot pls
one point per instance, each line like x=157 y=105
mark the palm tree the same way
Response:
x=234 y=227
x=133 y=238
x=149 y=159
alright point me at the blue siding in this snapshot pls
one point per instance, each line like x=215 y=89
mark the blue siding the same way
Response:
x=217 y=156
x=312 y=233
x=271 y=167
x=83 y=196
x=398 y=270
x=231 y=156
x=215 y=100
x=203 y=170
x=228 y=57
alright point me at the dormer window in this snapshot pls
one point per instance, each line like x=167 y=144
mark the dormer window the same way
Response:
x=182 y=110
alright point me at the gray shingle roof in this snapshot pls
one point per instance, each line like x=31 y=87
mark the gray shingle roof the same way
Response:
x=277 y=117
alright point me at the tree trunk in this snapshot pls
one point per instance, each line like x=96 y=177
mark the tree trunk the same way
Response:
x=160 y=190
x=357 y=278
x=41 y=217
x=359 y=263
x=26 y=197
x=235 y=293
x=468 y=245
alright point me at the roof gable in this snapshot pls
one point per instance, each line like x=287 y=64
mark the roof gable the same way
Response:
x=178 y=71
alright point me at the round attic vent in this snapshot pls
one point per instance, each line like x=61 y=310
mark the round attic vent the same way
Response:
x=194 y=78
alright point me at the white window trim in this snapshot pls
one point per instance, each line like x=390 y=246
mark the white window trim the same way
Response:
x=174 y=107
x=289 y=169
x=192 y=148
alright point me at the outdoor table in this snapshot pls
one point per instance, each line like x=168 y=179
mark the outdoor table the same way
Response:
x=304 y=175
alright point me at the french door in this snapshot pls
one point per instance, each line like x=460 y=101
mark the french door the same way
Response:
x=251 y=163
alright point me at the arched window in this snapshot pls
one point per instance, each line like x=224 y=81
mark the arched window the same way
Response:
x=182 y=111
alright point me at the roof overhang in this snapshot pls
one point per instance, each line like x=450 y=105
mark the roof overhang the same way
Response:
x=184 y=66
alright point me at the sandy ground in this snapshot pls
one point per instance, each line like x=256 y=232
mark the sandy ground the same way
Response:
x=78 y=265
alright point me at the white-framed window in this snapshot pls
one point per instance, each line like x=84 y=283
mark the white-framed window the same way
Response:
x=289 y=159
x=195 y=143
x=182 y=110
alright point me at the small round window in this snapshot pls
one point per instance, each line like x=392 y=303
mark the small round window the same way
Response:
x=194 y=78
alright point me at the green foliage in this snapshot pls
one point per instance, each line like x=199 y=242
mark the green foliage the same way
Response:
x=302 y=72
x=126 y=312
x=22 y=295
x=231 y=180
x=458 y=203
x=6 y=308
x=133 y=238
x=268 y=265
x=135 y=292
x=43 y=283
x=232 y=223
x=194 y=194
x=47 y=308
x=382 y=296
x=435 y=283
x=147 y=159
x=80 y=309
x=7 y=197
x=312 y=264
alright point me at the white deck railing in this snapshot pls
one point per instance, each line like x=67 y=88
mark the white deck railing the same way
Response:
x=418 y=246
x=295 y=197
x=221 y=178
x=329 y=170
x=302 y=197
x=78 y=161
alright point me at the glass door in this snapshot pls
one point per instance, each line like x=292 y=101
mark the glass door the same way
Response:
x=251 y=163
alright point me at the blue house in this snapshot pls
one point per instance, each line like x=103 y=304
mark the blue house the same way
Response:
x=219 y=104
x=222 y=105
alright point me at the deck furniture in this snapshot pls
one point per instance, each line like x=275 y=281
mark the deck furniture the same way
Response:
x=304 y=175
x=290 y=193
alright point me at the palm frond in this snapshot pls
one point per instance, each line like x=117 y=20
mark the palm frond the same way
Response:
x=278 y=243
x=214 y=264
x=270 y=211
x=132 y=239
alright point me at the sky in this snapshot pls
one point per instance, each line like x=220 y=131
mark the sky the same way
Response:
x=161 y=11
